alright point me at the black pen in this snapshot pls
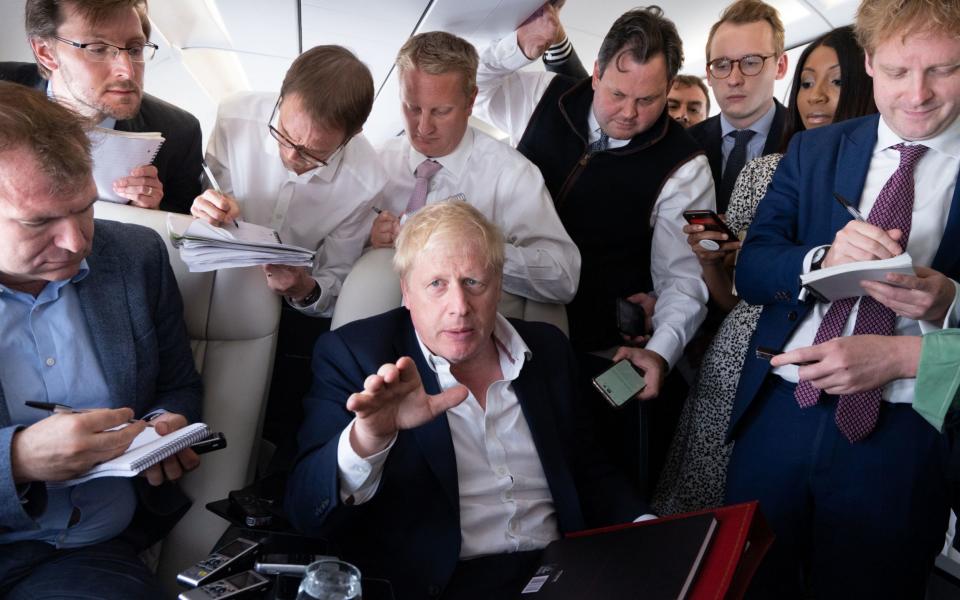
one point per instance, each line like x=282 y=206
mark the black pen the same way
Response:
x=58 y=408
x=377 y=210
x=213 y=182
x=850 y=208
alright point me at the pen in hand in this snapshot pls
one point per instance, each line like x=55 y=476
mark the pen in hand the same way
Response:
x=57 y=408
x=213 y=182
x=850 y=208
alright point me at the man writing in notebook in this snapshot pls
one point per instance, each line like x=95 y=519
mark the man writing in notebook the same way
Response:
x=91 y=318
x=854 y=482
x=90 y=55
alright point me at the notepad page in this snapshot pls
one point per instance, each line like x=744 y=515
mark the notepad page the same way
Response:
x=117 y=153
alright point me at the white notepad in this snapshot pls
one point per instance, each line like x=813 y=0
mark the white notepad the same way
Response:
x=146 y=450
x=204 y=247
x=116 y=153
x=843 y=281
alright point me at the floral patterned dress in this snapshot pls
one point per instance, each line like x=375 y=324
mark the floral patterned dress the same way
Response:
x=695 y=472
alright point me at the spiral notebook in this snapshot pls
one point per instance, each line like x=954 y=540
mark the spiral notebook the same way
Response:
x=116 y=153
x=146 y=450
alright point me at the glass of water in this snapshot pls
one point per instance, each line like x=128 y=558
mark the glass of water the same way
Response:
x=330 y=579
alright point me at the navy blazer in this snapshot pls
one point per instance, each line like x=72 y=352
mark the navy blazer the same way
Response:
x=798 y=213
x=179 y=160
x=409 y=532
x=134 y=313
x=709 y=134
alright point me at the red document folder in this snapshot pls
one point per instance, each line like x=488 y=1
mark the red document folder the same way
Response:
x=741 y=540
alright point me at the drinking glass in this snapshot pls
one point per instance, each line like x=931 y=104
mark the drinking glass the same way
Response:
x=330 y=579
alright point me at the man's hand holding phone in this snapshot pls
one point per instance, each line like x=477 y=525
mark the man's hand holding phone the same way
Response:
x=708 y=235
x=651 y=365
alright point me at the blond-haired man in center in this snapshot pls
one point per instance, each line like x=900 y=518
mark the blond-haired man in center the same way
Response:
x=441 y=156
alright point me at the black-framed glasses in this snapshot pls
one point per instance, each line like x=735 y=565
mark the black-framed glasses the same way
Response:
x=103 y=52
x=750 y=65
x=306 y=155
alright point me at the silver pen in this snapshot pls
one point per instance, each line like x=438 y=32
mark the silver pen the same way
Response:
x=850 y=208
x=213 y=182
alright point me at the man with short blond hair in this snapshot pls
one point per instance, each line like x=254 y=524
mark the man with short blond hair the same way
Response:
x=444 y=446
x=442 y=156
x=855 y=482
x=90 y=55
x=745 y=56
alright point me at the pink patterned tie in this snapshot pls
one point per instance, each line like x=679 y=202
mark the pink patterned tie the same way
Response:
x=424 y=173
x=856 y=414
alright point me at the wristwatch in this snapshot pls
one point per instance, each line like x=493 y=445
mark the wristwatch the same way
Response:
x=310 y=298
x=818 y=257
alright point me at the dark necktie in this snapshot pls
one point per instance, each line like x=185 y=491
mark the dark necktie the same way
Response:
x=735 y=163
x=424 y=173
x=857 y=413
x=600 y=145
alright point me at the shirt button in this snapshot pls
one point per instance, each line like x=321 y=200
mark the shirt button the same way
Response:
x=513 y=527
x=508 y=495
x=51 y=361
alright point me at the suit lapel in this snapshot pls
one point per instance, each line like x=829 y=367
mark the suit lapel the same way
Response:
x=853 y=162
x=776 y=129
x=544 y=430
x=947 y=259
x=103 y=300
x=434 y=439
x=713 y=148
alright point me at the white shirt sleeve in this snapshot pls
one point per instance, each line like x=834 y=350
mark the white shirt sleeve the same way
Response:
x=677 y=277
x=359 y=477
x=542 y=262
x=507 y=98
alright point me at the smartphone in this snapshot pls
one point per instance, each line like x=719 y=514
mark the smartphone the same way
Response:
x=631 y=318
x=619 y=383
x=215 y=441
x=710 y=220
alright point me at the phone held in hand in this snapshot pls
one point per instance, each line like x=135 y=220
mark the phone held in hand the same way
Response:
x=631 y=318
x=619 y=383
x=711 y=221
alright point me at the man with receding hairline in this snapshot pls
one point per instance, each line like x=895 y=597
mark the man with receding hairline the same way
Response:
x=90 y=319
x=90 y=55
x=689 y=100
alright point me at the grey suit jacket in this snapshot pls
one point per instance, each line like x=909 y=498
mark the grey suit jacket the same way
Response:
x=134 y=314
x=179 y=160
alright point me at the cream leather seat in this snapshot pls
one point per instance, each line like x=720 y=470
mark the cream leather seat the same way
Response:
x=372 y=287
x=231 y=319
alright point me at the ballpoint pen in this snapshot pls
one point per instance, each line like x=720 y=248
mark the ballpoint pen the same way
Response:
x=213 y=182
x=58 y=408
x=850 y=208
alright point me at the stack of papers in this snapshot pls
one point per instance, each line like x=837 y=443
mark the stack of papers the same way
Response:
x=843 y=281
x=116 y=153
x=204 y=247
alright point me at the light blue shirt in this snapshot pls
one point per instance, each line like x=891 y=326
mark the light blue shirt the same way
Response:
x=761 y=129
x=47 y=355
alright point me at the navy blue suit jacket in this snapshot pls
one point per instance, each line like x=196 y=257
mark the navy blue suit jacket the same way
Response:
x=178 y=162
x=798 y=213
x=409 y=532
x=134 y=313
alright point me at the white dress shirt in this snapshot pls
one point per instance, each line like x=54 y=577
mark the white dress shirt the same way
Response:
x=327 y=208
x=505 y=500
x=508 y=98
x=934 y=178
x=542 y=262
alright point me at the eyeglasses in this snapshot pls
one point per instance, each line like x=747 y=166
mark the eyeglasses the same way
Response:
x=750 y=65
x=307 y=156
x=103 y=52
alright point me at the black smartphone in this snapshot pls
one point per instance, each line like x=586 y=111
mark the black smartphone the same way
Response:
x=215 y=441
x=631 y=318
x=619 y=383
x=710 y=220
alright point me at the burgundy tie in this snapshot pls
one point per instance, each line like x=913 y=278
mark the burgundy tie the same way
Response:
x=856 y=414
x=425 y=171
